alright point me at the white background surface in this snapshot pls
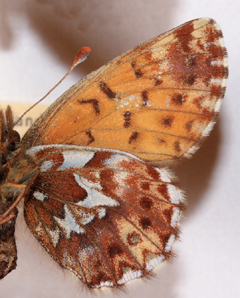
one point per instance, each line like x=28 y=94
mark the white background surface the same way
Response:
x=38 y=41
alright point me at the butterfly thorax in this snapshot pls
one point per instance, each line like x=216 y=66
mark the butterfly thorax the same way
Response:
x=9 y=148
x=16 y=168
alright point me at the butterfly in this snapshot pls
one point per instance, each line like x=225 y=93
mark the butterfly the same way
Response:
x=93 y=195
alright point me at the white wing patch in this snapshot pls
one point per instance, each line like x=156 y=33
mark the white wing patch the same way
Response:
x=129 y=275
x=54 y=236
x=69 y=224
x=95 y=197
x=163 y=176
x=47 y=165
x=75 y=159
x=174 y=195
x=170 y=243
x=39 y=196
x=154 y=262
x=175 y=217
x=85 y=218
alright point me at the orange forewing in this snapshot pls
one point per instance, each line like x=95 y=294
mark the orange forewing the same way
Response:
x=156 y=101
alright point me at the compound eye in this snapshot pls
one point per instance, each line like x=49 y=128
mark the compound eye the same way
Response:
x=15 y=136
x=12 y=146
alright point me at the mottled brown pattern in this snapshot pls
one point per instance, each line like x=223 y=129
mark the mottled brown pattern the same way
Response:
x=145 y=186
x=191 y=62
x=183 y=35
x=198 y=102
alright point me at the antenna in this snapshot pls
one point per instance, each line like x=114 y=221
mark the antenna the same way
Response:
x=81 y=56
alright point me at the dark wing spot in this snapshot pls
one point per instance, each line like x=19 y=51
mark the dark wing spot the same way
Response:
x=178 y=99
x=168 y=214
x=94 y=102
x=189 y=125
x=177 y=147
x=145 y=222
x=138 y=73
x=190 y=80
x=145 y=98
x=127 y=119
x=146 y=203
x=133 y=64
x=167 y=122
x=133 y=137
x=104 y=87
x=114 y=250
x=158 y=82
x=162 y=189
x=153 y=173
x=91 y=138
x=145 y=185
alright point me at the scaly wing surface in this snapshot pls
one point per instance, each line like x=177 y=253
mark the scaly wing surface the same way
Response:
x=105 y=215
x=156 y=101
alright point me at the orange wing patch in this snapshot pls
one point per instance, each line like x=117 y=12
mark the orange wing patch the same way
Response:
x=155 y=101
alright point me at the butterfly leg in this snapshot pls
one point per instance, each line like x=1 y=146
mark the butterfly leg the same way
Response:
x=9 y=213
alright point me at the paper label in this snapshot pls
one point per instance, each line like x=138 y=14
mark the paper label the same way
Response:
x=18 y=109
